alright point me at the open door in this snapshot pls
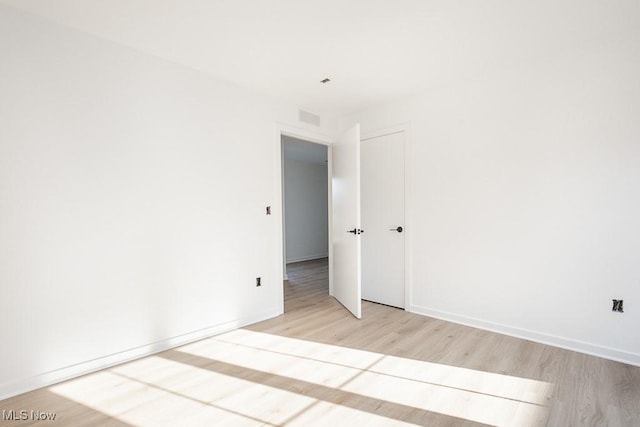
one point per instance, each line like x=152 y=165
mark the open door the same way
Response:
x=346 y=232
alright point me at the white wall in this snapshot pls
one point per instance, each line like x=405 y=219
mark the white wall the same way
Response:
x=525 y=198
x=305 y=195
x=132 y=203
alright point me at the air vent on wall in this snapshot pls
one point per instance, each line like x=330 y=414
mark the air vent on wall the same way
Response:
x=307 y=117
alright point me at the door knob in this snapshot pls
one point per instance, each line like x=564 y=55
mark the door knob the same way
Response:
x=398 y=229
x=355 y=231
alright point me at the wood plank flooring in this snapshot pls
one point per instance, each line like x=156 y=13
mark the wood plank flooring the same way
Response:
x=585 y=390
x=317 y=365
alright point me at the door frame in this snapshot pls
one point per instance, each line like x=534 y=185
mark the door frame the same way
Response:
x=282 y=129
x=408 y=220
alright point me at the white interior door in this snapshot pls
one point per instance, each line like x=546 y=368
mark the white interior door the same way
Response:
x=346 y=232
x=383 y=263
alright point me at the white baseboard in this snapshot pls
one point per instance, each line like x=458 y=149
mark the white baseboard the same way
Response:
x=306 y=258
x=45 y=379
x=554 y=340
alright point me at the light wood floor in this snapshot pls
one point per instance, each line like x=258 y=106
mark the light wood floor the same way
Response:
x=317 y=365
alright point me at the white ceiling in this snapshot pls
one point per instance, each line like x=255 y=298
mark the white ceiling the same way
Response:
x=374 y=51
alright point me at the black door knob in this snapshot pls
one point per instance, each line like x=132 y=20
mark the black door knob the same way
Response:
x=398 y=229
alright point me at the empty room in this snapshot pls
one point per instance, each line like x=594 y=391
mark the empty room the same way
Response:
x=418 y=212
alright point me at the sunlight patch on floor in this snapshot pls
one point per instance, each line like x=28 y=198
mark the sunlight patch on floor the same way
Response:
x=252 y=378
x=305 y=368
x=296 y=347
x=155 y=391
x=465 y=393
x=506 y=386
x=329 y=414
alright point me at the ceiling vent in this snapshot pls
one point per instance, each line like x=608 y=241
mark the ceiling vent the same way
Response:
x=307 y=117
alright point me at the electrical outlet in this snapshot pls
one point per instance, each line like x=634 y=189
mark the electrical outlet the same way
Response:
x=617 y=305
x=258 y=281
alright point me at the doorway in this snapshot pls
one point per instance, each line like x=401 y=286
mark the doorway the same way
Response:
x=345 y=235
x=305 y=208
